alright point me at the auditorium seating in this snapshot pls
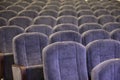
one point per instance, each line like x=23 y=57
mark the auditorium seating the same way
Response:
x=67 y=19
x=65 y=36
x=115 y=12
x=101 y=50
x=60 y=21
x=118 y=18
x=100 y=12
x=89 y=26
x=47 y=20
x=62 y=60
x=3 y=21
x=6 y=55
x=28 y=56
x=92 y=35
x=111 y=26
x=21 y=21
x=115 y=34
x=108 y=70
x=51 y=12
x=15 y=8
x=28 y=13
x=7 y=14
x=67 y=12
x=45 y=29
x=87 y=19
x=65 y=27
x=105 y=19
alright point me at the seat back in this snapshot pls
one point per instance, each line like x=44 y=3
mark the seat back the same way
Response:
x=64 y=27
x=101 y=50
x=62 y=61
x=106 y=69
x=45 y=29
x=28 y=48
x=92 y=35
x=47 y=20
x=21 y=21
x=6 y=35
x=65 y=36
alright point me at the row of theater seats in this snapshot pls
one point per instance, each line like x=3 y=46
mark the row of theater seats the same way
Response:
x=83 y=13
x=60 y=40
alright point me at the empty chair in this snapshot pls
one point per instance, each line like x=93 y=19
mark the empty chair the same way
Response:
x=92 y=3
x=45 y=29
x=51 y=12
x=7 y=14
x=111 y=26
x=107 y=3
x=49 y=7
x=115 y=34
x=67 y=12
x=85 y=12
x=13 y=0
x=29 y=1
x=15 y=8
x=2 y=0
x=111 y=7
x=89 y=26
x=28 y=13
x=64 y=27
x=115 y=12
x=47 y=20
x=23 y=4
x=68 y=7
x=67 y=19
x=106 y=19
x=62 y=60
x=92 y=35
x=109 y=70
x=87 y=19
x=65 y=36
x=101 y=12
x=34 y=8
x=68 y=3
x=38 y=3
x=77 y=3
x=6 y=55
x=28 y=56
x=2 y=7
x=101 y=50
x=82 y=7
x=3 y=21
x=21 y=21
x=5 y=4
x=118 y=18
x=97 y=7
x=57 y=3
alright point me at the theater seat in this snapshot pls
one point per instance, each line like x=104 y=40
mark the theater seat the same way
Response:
x=45 y=29
x=101 y=50
x=6 y=55
x=27 y=49
x=107 y=70
x=65 y=36
x=62 y=61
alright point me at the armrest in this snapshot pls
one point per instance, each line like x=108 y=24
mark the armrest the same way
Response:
x=19 y=72
x=22 y=73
